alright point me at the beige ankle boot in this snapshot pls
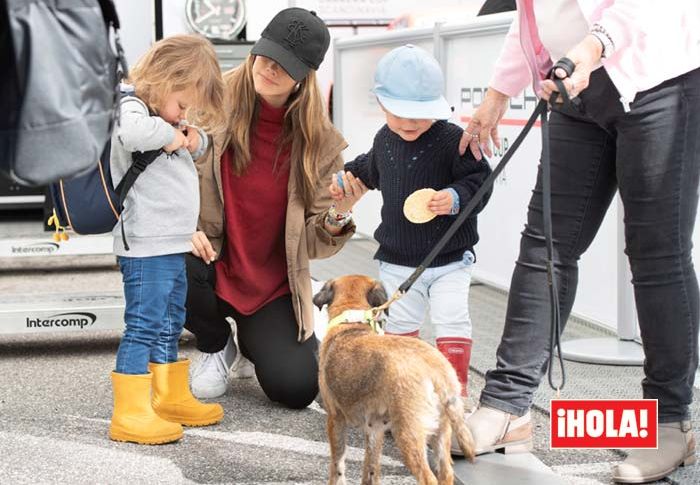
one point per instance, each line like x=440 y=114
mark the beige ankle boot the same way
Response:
x=676 y=448
x=495 y=430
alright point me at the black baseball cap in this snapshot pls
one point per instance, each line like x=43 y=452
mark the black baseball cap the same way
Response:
x=296 y=39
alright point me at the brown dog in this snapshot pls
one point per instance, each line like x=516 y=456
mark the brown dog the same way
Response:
x=382 y=382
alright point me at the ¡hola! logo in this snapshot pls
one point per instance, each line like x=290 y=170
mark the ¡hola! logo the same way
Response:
x=601 y=423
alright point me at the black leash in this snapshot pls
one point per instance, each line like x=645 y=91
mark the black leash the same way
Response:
x=540 y=112
x=555 y=326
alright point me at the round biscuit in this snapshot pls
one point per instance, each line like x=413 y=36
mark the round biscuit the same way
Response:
x=415 y=208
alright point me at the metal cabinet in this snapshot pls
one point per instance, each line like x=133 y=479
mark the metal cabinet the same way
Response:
x=231 y=55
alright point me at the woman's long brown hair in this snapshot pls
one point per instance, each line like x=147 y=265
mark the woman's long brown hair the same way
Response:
x=304 y=123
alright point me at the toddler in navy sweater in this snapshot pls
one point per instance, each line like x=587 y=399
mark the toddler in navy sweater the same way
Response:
x=416 y=149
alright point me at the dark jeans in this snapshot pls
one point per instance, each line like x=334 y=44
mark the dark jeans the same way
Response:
x=287 y=370
x=652 y=155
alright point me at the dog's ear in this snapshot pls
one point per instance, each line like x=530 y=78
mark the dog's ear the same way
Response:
x=377 y=295
x=325 y=296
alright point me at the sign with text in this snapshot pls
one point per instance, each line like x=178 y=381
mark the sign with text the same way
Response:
x=600 y=423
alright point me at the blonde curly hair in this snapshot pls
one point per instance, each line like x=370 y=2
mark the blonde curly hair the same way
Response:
x=184 y=62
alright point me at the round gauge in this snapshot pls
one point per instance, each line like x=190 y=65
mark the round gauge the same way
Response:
x=216 y=19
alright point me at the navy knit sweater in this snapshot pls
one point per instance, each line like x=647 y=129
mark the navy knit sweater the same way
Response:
x=398 y=168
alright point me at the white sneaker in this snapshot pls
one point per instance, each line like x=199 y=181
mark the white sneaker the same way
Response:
x=209 y=372
x=242 y=368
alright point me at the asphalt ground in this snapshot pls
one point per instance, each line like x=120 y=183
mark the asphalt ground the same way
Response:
x=56 y=402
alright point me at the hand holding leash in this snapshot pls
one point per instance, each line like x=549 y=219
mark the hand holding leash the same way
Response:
x=582 y=58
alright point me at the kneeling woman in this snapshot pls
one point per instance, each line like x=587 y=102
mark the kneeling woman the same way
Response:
x=265 y=212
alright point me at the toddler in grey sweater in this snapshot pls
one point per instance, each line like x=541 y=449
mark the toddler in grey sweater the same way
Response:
x=161 y=209
x=179 y=76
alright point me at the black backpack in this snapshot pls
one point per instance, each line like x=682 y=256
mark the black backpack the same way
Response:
x=59 y=86
x=90 y=203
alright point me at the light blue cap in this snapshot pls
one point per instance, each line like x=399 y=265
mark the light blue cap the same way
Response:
x=409 y=83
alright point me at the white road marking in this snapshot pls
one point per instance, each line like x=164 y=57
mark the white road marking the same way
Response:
x=273 y=441
x=287 y=443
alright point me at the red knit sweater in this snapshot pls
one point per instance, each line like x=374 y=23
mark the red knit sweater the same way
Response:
x=253 y=268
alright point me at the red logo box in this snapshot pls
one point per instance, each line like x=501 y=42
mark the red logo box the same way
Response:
x=603 y=423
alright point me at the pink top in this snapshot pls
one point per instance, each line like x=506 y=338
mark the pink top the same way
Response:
x=654 y=41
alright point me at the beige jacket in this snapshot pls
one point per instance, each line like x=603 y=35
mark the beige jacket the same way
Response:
x=305 y=235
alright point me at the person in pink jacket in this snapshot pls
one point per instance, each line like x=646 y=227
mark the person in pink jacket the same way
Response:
x=636 y=130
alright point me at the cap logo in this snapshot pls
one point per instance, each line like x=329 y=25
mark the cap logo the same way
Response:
x=297 y=33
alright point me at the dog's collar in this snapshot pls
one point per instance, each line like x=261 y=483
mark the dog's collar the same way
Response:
x=358 y=316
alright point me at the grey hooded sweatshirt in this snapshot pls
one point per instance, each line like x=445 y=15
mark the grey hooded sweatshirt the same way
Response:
x=161 y=209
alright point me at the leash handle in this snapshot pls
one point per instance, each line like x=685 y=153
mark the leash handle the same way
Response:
x=568 y=66
x=565 y=64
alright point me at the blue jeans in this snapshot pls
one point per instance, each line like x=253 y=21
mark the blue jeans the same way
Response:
x=652 y=156
x=155 y=289
x=443 y=289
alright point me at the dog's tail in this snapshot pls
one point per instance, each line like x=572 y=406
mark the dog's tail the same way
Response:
x=455 y=413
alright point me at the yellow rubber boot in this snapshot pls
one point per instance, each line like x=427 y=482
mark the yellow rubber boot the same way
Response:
x=172 y=399
x=133 y=418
